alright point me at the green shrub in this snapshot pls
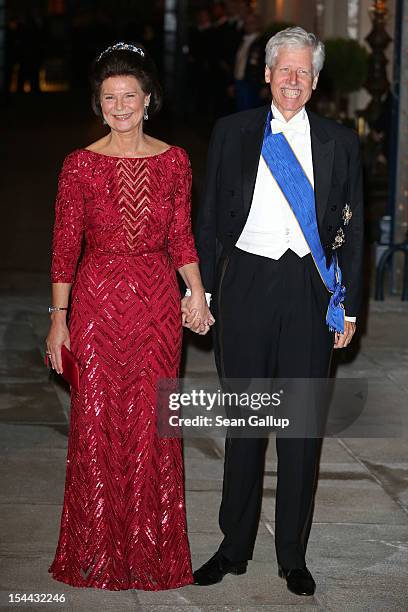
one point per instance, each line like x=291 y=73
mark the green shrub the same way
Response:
x=346 y=64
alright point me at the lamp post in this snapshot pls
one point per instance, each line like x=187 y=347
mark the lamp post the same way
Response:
x=377 y=81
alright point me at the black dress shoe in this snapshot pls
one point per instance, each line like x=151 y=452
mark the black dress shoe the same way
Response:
x=215 y=569
x=299 y=580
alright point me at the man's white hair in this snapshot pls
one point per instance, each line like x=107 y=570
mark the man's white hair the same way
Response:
x=298 y=38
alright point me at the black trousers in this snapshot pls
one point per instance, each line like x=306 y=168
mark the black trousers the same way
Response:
x=270 y=322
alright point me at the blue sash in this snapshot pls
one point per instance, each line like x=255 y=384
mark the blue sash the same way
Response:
x=296 y=187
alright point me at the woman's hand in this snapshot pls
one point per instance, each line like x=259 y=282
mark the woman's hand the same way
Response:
x=58 y=335
x=195 y=313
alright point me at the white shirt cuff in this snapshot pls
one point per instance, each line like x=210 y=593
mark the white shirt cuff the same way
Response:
x=207 y=296
x=350 y=319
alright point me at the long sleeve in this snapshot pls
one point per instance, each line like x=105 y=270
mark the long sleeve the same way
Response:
x=180 y=240
x=69 y=223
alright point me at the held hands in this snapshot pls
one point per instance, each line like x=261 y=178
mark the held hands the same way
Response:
x=195 y=313
x=343 y=340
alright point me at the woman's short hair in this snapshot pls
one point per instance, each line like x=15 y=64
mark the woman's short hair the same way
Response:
x=298 y=38
x=125 y=62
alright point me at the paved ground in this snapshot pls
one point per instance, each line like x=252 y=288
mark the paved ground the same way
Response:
x=358 y=549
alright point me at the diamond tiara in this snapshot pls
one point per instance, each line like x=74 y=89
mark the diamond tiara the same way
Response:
x=121 y=46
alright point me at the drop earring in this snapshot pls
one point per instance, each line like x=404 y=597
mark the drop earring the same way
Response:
x=145 y=113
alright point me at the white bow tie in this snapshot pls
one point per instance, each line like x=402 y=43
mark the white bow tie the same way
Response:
x=298 y=126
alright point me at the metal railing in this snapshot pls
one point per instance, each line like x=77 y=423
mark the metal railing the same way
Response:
x=382 y=264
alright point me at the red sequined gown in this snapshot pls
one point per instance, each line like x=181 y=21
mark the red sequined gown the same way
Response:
x=123 y=523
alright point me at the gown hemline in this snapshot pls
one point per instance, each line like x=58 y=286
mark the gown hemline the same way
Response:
x=132 y=587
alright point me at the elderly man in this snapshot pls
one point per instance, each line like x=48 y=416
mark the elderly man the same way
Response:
x=280 y=234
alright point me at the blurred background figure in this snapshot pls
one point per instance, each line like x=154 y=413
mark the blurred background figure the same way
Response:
x=237 y=10
x=152 y=40
x=249 y=65
x=29 y=51
x=200 y=61
x=92 y=29
x=224 y=46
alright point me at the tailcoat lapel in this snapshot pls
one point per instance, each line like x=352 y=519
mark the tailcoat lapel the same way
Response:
x=251 y=143
x=323 y=159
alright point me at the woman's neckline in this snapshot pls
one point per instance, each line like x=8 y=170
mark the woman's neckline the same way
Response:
x=124 y=157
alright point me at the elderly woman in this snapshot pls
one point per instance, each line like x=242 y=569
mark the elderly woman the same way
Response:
x=123 y=523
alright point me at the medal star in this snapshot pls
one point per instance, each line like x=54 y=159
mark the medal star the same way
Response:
x=346 y=214
x=339 y=239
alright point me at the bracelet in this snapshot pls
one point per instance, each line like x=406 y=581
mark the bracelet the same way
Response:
x=55 y=309
x=207 y=296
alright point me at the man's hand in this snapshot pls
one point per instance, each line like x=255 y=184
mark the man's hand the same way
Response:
x=343 y=340
x=195 y=314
